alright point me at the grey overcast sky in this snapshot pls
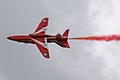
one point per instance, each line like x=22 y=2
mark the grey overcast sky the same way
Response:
x=85 y=60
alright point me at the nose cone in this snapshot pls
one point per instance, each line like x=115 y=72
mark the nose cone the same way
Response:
x=11 y=37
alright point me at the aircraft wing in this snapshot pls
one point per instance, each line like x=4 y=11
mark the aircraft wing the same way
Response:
x=42 y=46
x=42 y=27
x=41 y=43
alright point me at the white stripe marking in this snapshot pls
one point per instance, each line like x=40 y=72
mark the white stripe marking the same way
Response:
x=44 y=45
x=43 y=29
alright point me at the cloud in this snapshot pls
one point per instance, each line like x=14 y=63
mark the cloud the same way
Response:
x=106 y=19
x=85 y=60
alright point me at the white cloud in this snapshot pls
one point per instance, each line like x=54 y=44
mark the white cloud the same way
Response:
x=106 y=15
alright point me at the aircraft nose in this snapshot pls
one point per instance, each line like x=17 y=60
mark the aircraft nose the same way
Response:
x=9 y=37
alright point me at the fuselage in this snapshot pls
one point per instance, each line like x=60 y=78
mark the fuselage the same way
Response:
x=27 y=38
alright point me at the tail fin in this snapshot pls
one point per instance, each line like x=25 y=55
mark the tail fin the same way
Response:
x=65 y=43
x=66 y=33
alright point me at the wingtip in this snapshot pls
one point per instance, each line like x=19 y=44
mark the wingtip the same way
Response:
x=46 y=18
x=46 y=55
x=45 y=21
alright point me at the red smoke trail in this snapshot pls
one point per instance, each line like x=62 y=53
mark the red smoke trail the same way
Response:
x=99 y=38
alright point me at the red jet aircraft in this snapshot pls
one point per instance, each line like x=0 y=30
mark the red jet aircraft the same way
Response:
x=40 y=38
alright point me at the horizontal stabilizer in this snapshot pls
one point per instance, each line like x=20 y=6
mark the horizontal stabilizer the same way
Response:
x=66 y=44
x=66 y=33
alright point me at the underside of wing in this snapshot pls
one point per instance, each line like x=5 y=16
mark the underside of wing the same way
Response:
x=42 y=46
x=41 y=42
x=42 y=27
